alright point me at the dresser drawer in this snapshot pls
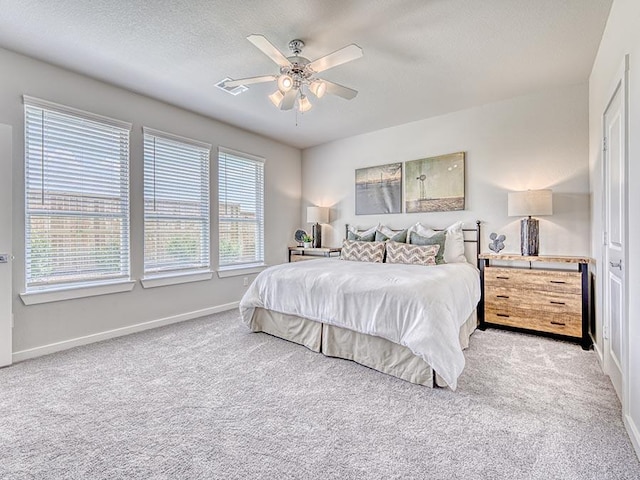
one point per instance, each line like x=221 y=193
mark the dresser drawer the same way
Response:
x=541 y=280
x=553 y=302
x=569 y=325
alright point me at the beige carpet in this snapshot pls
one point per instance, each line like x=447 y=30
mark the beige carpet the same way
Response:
x=206 y=399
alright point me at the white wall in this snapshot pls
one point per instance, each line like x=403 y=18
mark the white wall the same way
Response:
x=621 y=37
x=40 y=325
x=530 y=142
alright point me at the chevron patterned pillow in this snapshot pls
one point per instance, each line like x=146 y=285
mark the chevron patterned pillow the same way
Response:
x=412 y=254
x=362 y=251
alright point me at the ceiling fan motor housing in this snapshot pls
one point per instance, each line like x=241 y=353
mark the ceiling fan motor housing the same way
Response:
x=296 y=46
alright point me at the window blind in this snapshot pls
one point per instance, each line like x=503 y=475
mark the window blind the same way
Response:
x=240 y=209
x=176 y=204
x=76 y=196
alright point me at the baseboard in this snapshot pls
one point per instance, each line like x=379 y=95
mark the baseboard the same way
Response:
x=118 y=332
x=634 y=433
x=599 y=356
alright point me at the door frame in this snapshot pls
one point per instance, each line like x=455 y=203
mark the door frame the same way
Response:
x=6 y=270
x=621 y=84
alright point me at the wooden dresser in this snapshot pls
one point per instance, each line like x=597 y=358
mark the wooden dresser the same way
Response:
x=553 y=302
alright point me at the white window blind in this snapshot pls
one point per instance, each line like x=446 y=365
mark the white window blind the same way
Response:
x=241 y=208
x=176 y=204
x=76 y=196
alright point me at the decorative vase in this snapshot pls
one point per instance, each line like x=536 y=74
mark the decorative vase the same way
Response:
x=307 y=244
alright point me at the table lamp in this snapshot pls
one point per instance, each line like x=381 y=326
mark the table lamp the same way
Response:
x=317 y=215
x=531 y=202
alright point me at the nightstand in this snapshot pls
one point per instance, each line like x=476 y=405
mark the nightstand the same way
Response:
x=302 y=253
x=553 y=302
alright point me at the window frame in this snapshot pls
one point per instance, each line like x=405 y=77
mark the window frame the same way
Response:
x=240 y=268
x=171 y=276
x=82 y=285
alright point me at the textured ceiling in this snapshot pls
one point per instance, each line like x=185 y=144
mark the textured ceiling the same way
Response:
x=421 y=57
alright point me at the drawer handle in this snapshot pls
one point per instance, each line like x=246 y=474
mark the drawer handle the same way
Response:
x=502 y=278
x=502 y=315
x=557 y=303
x=557 y=281
x=502 y=296
x=553 y=322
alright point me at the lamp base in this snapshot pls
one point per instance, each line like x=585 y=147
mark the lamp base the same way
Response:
x=529 y=236
x=316 y=233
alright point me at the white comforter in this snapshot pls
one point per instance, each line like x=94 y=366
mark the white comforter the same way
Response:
x=419 y=307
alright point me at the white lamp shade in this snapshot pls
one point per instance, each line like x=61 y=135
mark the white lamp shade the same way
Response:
x=304 y=105
x=285 y=83
x=276 y=98
x=531 y=202
x=317 y=214
x=318 y=88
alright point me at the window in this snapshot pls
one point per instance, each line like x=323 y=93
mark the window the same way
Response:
x=240 y=209
x=76 y=197
x=176 y=204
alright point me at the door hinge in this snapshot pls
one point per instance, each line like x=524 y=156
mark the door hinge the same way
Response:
x=604 y=144
x=605 y=238
x=605 y=331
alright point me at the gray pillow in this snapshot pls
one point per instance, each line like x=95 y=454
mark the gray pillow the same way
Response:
x=370 y=237
x=400 y=237
x=436 y=239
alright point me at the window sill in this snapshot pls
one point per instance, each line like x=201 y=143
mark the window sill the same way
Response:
x=240 y=270
x=175 y=279
x=69 y=293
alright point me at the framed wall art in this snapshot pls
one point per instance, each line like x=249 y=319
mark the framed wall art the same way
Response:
x=379 y=189
x=434 y=184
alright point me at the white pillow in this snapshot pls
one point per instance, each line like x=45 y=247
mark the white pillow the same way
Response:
x=453 y=244
x=386 y=230
x=363 y=233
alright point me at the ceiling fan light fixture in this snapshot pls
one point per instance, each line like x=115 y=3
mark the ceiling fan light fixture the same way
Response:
x=276 y=98
x=297 y=74
x=318 y=88
x=304 y=105
x=285 y=83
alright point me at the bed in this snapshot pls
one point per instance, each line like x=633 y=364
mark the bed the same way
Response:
x=409 y=321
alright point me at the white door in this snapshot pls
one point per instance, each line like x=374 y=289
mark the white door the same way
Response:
x=614 y=162
x=6 y=169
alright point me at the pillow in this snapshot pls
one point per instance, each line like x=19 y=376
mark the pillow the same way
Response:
x=400 y=236
x=438 y=238
x=364 y=235
x=411 y=254
x=453 y=245
x=360 y=251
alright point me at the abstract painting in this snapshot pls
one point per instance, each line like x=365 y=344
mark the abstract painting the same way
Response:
x=379 y=189
x=435 y=184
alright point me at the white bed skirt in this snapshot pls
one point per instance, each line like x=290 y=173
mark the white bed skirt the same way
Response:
x=374 y=352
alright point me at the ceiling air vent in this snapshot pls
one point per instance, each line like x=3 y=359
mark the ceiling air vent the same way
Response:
x=233 y=90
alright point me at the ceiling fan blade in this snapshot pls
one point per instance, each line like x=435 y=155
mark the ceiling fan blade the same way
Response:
x=340 y=90
x=269 y=50
x=344 y=55
x=289 y=99
x=248 y=81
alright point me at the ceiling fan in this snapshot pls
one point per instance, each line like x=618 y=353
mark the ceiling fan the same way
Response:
x=298 y=74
